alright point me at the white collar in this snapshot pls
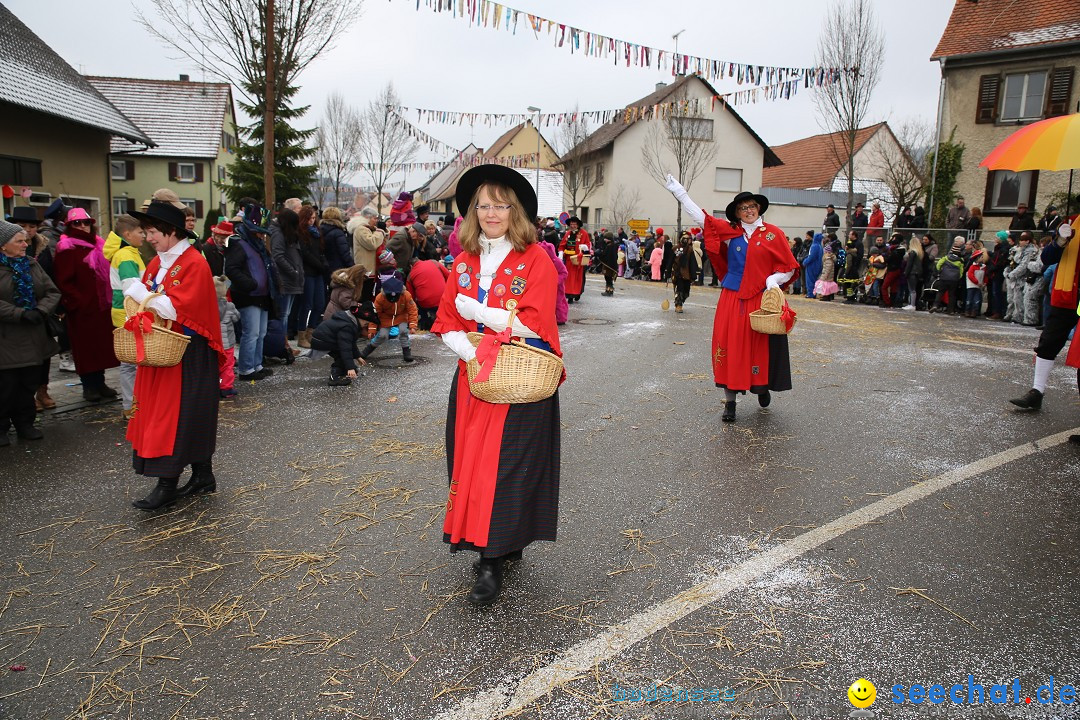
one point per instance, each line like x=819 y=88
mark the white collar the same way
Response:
x=488 y=244
x=749 y=229
x=174 y=252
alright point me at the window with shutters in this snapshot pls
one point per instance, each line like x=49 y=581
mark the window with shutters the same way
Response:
x=185 y=172
x=1060 y=92
x=986 y=109
x=119 y=205
x=118 y=170
x=1024 y=96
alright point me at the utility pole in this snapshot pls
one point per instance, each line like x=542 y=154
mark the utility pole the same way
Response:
x=268 y=110
x=675 y=58
x=536 y=127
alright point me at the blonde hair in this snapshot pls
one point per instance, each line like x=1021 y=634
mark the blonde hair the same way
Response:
x=915 y=246
x=332 y=213
x=521 y=233
x=125 y=223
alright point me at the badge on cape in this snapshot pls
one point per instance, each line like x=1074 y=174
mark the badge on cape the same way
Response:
x=175 y=269
x=520 y=267
x=499 y=290
x=464 y=281
x=517 y=285
x=508 y=271
x=770 y=236
x=511 y=304
x=460 y=267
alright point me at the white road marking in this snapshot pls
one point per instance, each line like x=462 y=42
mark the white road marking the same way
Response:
x=579 y=660
x=1029 y=353
x=822 y=322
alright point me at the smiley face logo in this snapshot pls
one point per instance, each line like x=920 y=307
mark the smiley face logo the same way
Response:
x=862 y=693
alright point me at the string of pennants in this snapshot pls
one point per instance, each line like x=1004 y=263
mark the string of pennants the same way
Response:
x=630 y=114
x=515 y=161
x=497 y=16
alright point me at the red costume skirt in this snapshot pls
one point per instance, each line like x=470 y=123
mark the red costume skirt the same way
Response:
x=743 y=359
x=1073 y=358
x=575 y=278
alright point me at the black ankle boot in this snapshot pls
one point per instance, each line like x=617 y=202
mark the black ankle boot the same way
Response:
x=764 y=398
x=202 y=480
x=164 y=493
x=488 y=582
x=509 y=557
x=729 y=411
x=1031 y=401
x=406 y=353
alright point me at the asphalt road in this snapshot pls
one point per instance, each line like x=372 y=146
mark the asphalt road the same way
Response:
x=890 y=518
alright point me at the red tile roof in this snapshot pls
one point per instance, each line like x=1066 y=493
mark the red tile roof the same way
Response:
x=812 y=162
x=979 y=26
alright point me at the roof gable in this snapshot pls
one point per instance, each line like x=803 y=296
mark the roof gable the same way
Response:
x=813 y=162
x=982 y=26
x=607 y=133
x=194 y=131
x=33 y=76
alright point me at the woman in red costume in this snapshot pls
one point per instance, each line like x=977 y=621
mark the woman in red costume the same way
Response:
x=751 y=256
x=574 y=251
x=503 y=460
x=175 y=409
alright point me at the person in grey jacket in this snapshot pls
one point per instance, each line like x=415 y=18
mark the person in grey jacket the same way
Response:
x=285 y=251
x=1020 y=257
x=27 y=298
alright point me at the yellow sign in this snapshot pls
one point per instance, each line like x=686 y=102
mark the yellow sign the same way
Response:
x=642 y=226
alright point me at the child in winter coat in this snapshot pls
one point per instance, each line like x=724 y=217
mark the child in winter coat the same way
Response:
x=229 y=317
x=825 y=287
x=345 y=284
x=976 y=280
x=396 y=309
x=950 y=272
x=126 y=268
x=401 y=212
x=337 y=336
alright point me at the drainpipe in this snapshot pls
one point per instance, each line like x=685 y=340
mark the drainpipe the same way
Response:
x=937 y=143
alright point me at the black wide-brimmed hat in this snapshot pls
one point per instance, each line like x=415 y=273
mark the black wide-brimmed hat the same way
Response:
x=761 y=200
x=24 y=214
x=471 y=181
x=167 y=213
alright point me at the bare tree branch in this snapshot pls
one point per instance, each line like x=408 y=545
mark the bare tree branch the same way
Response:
x=681 y=144
x=850 y=39
x=902 y=168
x=385 y=143
x=224 y=37
x=624 y=202
x=575 y=157
x=337 y=146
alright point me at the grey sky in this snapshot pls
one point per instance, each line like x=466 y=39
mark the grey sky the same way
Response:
x=438 y=62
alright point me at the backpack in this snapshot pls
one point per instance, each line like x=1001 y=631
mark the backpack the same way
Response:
x=949 y=272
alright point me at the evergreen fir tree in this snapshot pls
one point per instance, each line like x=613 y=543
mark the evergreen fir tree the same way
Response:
x=292 y=178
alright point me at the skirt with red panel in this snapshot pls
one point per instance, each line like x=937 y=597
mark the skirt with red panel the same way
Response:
x=743 y=359
x=503 y=462
x=1073 y=358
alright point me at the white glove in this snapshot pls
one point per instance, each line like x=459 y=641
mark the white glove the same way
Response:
x=467 y=307
x=674 y=186
x=459 y=343
x=777 y=279
x=137 y=292
x=692 y=209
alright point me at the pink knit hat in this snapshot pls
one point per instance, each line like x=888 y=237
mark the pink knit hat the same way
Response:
x=78 y=214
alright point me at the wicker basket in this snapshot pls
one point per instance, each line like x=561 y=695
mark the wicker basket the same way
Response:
x=575 y=259
x=769 y=319
x=522 y=373
x=162 y=346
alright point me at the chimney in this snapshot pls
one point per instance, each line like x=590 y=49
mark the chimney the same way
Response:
x=661 y=85
x=185 y=78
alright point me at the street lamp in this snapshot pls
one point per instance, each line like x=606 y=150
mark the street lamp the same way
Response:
x=536 y=127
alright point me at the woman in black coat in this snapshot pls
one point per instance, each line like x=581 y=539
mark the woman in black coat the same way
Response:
x=337 y=244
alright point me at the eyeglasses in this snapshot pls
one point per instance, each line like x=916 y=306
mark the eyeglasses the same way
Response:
x=496 y=208
x=744 y=208
x=80 y=222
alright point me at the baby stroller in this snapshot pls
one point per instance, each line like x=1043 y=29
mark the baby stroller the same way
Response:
x=929 y=294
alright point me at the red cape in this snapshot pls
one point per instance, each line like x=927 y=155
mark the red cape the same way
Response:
x=529 y=278
x=575 y=274
x=767 y=253
x=156 y=403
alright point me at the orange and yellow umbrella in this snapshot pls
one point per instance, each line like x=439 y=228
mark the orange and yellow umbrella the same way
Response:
x=1051 y=144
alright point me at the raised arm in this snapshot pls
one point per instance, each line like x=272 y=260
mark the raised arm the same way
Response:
x=692 y=209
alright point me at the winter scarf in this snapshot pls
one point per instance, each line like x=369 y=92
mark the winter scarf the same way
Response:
x=24 y=283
